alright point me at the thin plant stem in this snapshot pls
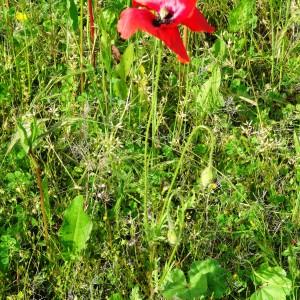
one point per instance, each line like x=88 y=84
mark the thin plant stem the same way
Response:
x=174 y=250
x=38 y=176
x=154 y=94
x=182 y=80
x=166 y=207
x=151 y=120
x=272 y=40
x=167 y=202
x=92 y=31
x=185 y=36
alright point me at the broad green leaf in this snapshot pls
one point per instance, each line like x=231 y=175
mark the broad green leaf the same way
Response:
x=28 y=134
x=197 y=285
x=297 y=143
x=13 y=142
x=219 y=49
x=270 y=292
x=274 y=276
x=115 y=296
x=34 y=132
x=123 y=68
x=120 y=88
x=210 y=98
x=73 y=14
x=106 y=51
x=215 y=276
x=206 y=278
x=76 y=228
x=243 y=16
x=7 y=247
x=274 y=283
x=176 y=285
x=24 y=137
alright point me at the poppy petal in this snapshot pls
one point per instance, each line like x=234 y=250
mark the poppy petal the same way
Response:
x=181 y=9
x=151 y=4
x=134 y=19
x=171 y=37
x=197 y=22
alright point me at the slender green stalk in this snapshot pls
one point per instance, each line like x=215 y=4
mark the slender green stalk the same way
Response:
x=151 y=120
x=92 y=32
x=154 y=94
x=174 y=250
x=167 y=202
x=183 y=71
x=272 y=40
x=165 y=210
x=28 y=66
x=156 y=67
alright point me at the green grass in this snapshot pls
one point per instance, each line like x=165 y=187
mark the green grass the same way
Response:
x=176 y=163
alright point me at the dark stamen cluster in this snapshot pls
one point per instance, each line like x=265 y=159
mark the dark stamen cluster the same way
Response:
x=159 y=21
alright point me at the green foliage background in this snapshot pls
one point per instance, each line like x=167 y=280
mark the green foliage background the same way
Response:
x=215 y=179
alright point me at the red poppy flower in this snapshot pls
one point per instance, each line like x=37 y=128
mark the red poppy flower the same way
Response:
x=161 y=18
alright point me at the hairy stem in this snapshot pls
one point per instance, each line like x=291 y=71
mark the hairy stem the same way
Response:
x=92 y=31
x=151 y=120
x=38 y=176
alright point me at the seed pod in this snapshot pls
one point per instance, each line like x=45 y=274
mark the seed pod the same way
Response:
x=207 y=176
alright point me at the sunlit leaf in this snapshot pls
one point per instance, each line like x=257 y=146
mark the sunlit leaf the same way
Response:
x=274 y=283
x=76 y=228
x=73 y=13
x=297 y=143
x=243 y=16
x=215 y=276
x=23 y=137
x=270 y=292
x=209 y=99
x=106 y=54
x=176 y=285
x=125 y=64
x=7 y=247
x=219 y=49
x=206 y=278
x=115 y=296
x=120 y=88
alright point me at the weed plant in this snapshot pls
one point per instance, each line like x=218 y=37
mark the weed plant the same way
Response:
x=128 y=175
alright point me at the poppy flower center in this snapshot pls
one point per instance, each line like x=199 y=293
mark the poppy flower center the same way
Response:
x=164 y=17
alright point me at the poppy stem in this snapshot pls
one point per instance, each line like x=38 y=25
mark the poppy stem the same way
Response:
x=151 y=121
x=38 y=175
x=92 y=31
x=155 y=90
x=167 y=202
